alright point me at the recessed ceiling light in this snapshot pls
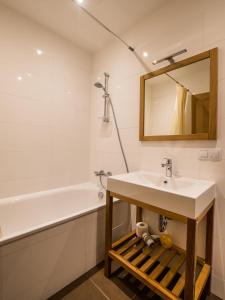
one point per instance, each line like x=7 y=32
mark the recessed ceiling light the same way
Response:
x=80 y=1
x=145 y=54
x=39 y=51
x=19 y=78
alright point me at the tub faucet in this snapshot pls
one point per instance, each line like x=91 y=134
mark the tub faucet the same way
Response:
x=102 y=173
x=168 y=165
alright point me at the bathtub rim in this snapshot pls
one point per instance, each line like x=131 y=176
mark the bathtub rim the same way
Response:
x=79 y=186
x=48 y=225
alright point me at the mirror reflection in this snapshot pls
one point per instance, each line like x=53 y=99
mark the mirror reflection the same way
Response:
x=177 y=102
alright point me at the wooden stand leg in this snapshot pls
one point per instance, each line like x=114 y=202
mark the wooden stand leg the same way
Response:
x=138 y=214
x=189 y=289
x=209 y=245
x=108 y=232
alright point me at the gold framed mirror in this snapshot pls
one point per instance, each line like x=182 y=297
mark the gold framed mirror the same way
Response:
x=179 y=101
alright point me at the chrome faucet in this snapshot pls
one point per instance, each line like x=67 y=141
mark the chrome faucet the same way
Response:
x=168 y=165
x=102 y=173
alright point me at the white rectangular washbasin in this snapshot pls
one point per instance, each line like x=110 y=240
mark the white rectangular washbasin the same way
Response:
x=181 y=195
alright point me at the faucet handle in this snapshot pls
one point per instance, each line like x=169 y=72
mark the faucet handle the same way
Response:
x=99 y=173
x=168 y=160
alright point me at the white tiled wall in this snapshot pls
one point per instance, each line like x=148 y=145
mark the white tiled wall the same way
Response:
x=44 y=108
x=197 y=26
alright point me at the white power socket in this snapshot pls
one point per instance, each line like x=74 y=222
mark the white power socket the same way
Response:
x=210 y=154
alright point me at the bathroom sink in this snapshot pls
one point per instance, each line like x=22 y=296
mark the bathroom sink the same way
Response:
x=186 y=196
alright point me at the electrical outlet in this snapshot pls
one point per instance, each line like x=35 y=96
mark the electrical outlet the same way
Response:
x=210 y=154
x=203 y=155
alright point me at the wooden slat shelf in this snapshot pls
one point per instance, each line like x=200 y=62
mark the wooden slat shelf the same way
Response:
x=162 y=270
x=171 y=273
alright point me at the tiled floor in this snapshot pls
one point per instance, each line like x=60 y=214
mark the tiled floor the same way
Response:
x=94 y=286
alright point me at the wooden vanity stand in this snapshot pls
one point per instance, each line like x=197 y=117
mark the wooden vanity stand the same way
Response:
x=171 y=273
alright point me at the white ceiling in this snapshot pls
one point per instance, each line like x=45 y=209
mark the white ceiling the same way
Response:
x=66 y=18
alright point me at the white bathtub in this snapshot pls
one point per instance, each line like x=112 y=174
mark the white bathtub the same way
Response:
x=49 y=239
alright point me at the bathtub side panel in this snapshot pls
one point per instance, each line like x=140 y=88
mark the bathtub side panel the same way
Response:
x=56 y=261
x=52 y=259
x=95 y=237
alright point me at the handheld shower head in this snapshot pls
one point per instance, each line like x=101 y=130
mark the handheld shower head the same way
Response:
x=99 y=85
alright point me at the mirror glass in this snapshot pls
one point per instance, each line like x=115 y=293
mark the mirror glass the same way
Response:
x=177 y=102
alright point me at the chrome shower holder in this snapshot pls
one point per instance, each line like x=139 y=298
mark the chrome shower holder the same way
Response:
x=108 y=104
